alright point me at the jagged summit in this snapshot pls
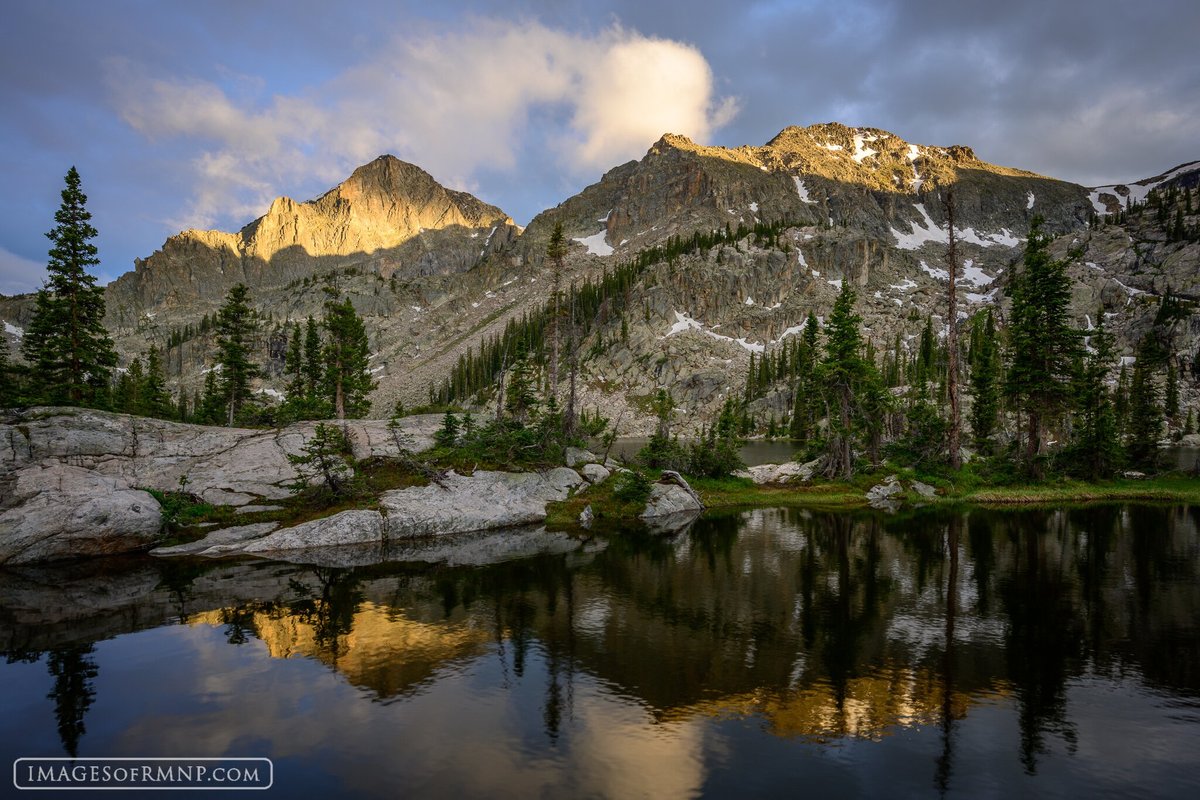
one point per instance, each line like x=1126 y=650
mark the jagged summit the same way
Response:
x=388 y=212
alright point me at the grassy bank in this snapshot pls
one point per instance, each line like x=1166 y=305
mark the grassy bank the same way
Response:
x=741 y=493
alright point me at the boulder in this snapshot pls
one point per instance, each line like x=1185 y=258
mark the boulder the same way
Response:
x=1190 y=440
x=924 y=489
x=586 y=517
x=58 y=512
x=343 y=528
x=239 y=534
x=885 y=495
x=576 y=456
x=789 y=472
x=595 y=474
x=226 y=466
x=475 y=502
x=671 y=496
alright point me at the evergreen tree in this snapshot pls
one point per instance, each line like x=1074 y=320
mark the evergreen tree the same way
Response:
x=1171 y=398
x=556 y=251
x=1096 y=449
x=236 y=326
x=70 y=354
x=1043 y=344
x=1145 y=413
x=347 y=374
x=845 y=377
x=519 y=399
x=156 y=402
x=8 y=377
x=131 y=402
x=985 y=386
x=447 y=435
x=209 y=409
x=314 y=369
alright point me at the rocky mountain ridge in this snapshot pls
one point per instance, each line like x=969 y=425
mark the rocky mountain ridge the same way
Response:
x=433 y=272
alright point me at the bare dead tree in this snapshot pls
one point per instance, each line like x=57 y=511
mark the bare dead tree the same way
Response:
x=952 y=340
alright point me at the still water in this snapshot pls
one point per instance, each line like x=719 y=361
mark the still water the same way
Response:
x=771 y=653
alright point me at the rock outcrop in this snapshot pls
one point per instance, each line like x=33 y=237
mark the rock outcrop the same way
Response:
x=225 y=466
x=480 y=501
x=57 y=511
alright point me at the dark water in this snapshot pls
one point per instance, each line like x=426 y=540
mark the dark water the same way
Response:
x=775 y=653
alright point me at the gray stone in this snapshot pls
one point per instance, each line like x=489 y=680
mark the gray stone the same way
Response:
x=586 y=517
x=667 y=499
x=257 y=509
x=789 y=472
x=1190 y=440
x=480 y=501
x=885 y=495
x=225 y=536
x=924 y=489
x=595 y=474
x=576 y=457
x=59 y=512
x=343 y=528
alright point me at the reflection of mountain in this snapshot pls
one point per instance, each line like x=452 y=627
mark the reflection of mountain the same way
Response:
x=383 y=650
x=819 y=625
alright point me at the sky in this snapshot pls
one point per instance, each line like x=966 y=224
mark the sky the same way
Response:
x=196 y=115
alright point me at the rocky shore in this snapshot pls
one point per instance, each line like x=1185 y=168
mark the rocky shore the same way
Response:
x=73 y=483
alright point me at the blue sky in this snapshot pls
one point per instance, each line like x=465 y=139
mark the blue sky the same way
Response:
x=197 y=114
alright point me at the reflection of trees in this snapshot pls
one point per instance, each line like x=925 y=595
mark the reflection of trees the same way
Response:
x=1044 y=640
x=330 y=609
x=74 y=669
x=945 y=762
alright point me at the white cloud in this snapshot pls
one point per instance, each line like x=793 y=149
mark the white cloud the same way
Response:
x=454 y=103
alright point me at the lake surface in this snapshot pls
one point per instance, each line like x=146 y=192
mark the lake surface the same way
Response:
x=768 y=653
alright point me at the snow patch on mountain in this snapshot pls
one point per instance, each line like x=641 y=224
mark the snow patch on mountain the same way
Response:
x=684 y=322
x=930 y=231
x=13 y=330
x=596 y=244
x=802 y=191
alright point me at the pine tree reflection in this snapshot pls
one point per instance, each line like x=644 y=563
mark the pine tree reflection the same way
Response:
x=74 y=670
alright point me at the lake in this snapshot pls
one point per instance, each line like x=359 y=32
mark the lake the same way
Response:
x=764 y=653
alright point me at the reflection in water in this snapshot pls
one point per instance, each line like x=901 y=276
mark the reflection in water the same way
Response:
x=805 y=628
x=74 y=670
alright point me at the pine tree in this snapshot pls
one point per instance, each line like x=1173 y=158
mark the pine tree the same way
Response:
x=556 y=250
x=1171 y=398
x=1042 y=344
x=236 y=326
x=985 y=387
x=519 y=399
x=131 y=402
x=314 y=369
x=70 y=354
x=156 y=402
x=209 y=408
x=1145 y=413
x=8 y=377
x=347 y=351
x=844 y=375
x=1096 y=449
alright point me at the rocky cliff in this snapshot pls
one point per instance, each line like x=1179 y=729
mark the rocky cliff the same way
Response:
x=434 y=272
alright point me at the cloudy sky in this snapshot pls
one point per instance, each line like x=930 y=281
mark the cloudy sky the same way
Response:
x=184 y=115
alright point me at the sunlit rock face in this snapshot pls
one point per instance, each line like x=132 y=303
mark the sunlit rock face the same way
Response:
x=435 y=272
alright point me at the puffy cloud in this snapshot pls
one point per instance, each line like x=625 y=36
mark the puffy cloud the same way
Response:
x=488 y=96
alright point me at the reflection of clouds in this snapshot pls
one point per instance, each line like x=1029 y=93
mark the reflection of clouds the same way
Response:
x=466 y=733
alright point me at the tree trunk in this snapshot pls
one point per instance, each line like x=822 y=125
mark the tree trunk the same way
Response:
x=952 y=343
x=569 y=418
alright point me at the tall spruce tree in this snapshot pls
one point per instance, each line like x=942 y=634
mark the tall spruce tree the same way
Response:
x=845 y=377
x=156 y=401
x=1095 y=450
x=70 y=354
x=236 y=327
x=556 y=251
x=1144 y=426
x=8 y=377
x=347 y=374
x=985 y=387
x=1043 y=345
